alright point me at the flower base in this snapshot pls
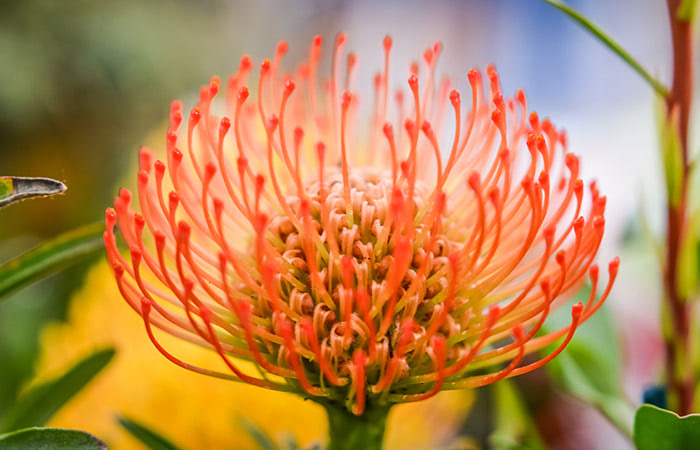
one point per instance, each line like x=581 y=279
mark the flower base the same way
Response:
x=350 y=432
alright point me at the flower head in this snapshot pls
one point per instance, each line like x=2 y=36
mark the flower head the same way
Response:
x=359 y=265
x=141 y=386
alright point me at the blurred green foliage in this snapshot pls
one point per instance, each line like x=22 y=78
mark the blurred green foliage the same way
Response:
x=149 y=438
x=589 y=369
x=84 y=84
x=51 y=256
x=514 y=427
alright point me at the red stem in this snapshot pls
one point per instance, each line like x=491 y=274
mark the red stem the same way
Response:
x=679 y=358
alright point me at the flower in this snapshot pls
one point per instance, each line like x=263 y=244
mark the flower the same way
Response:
x=191 y=410
x=359 y=268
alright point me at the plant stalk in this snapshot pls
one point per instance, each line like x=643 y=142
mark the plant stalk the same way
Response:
x=347 y=431
x=679 y=352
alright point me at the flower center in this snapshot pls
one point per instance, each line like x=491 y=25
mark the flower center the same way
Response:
x=354 y=261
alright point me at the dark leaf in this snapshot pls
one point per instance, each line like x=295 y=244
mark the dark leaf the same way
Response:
x=656 y=396
x=146 y=436
x=37 y=406
x=50 y=439
x=14 y=189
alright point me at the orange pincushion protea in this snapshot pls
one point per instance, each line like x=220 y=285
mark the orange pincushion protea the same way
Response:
x=359 y=268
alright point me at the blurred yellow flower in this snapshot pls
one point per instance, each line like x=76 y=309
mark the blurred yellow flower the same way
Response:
x=191 y=410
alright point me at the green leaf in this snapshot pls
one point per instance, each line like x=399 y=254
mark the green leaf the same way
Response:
x=697 y=262
x=689 y=259
x=609 y=42
x=514 y=428
x=14 y=189
x=50 y=439
x=687 y=10
x=6 y=189
x=660 y=429
x=671 y=154
x=50 y=256
x=648 y=234
x=37 y=406
x=259 y=436
x=146 y=436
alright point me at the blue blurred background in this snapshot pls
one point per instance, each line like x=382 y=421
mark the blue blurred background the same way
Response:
x=84 y=83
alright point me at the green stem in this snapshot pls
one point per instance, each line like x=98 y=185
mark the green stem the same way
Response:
x=611 y=44
x=347 y=431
